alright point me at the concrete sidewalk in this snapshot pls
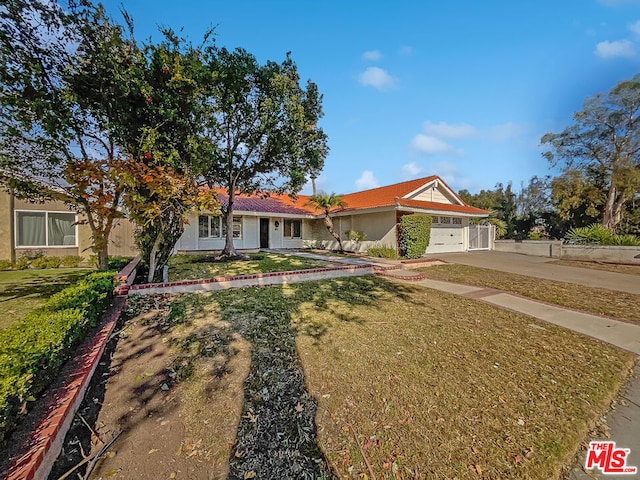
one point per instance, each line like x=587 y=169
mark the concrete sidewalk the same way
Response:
x=544 y=267
x=623 y=421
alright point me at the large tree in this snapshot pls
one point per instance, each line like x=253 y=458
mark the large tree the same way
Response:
x=605 y=137
x=261 y=127
x=163 y=143
x=57 y=111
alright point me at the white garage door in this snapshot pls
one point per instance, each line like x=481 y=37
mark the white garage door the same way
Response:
x=446 y=238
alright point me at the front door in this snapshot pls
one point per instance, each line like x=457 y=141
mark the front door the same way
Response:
x=264 y=233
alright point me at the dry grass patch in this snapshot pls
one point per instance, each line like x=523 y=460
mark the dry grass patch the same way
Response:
x=420 y=383
x=590 y=299
x=606 y=267
x=438 y=386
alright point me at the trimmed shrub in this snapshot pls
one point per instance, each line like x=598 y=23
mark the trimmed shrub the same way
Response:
x=33 y=349
x=22 y=263
x=415 y=231
x=46 y=262
x=118 y=263
x=6 y=265
x=71 y=261
x=381 y=251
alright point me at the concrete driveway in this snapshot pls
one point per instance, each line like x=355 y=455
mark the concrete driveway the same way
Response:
x=543 y=267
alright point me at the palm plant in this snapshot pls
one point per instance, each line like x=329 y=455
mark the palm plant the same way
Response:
x=328 y=203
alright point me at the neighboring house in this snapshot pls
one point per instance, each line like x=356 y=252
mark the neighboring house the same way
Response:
x=53 y=228
x=278 y=221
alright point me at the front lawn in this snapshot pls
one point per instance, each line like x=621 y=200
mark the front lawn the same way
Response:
x=590 y=299
x=21 y=291
x=193 y=267
x=606 y=267
x=345 y=372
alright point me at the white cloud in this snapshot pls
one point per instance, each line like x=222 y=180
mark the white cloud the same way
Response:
x=367 y=180
x=377 y=78
x=635 y=27
x=372 y=55
x=617 y=48
x=429 y=145
x=411 y=170
x=440 y=138
x=449 y=131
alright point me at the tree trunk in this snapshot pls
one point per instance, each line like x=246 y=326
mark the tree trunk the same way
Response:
x=101 y=248
x=229 y=252
x=612 y=214
x=328 y=222
x=152 y=259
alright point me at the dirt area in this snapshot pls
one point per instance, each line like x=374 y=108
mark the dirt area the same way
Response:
x=185 y=395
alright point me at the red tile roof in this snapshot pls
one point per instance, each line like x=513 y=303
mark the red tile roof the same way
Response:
x=388 y=196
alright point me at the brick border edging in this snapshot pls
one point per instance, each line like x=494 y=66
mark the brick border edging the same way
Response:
x=411 y=278
x=140 y=289
x=45 y=442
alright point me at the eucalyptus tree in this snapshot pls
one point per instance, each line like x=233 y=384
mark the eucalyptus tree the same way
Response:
x=604 y=138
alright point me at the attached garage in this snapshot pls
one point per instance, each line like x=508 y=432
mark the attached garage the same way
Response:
x=447 y=235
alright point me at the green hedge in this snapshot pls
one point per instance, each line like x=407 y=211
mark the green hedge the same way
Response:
x=33 y=349
x=415 y=231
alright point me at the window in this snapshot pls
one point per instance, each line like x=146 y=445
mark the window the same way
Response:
x=45 y=229
x=203 y=226
x=445 y=220
x=215 y=227
x=436 y=219
x=456 y=221
x=292 y=228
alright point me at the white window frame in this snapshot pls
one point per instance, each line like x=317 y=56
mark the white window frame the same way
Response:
x=237 y=222
x=46 y=229
x=291 y=220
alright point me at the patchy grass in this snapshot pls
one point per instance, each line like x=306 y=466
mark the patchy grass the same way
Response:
x=193 y=267
x=22 y=291
x=607 y=267
x=423 y=384
x=590 y=299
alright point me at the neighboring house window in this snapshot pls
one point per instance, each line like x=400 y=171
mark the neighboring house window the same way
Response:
x=292 y=228
x=436 y=219
x=457 y=221
x=215 y=227
x=445 y=220
x=203 y=226
x=45 y=229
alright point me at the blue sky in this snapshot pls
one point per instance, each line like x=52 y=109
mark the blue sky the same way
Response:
x=461 y=89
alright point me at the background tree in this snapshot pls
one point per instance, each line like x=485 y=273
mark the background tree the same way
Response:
x=605 y=138
x=58 y=112
x=260 y=128
x=501 y=202
x=328 y=203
